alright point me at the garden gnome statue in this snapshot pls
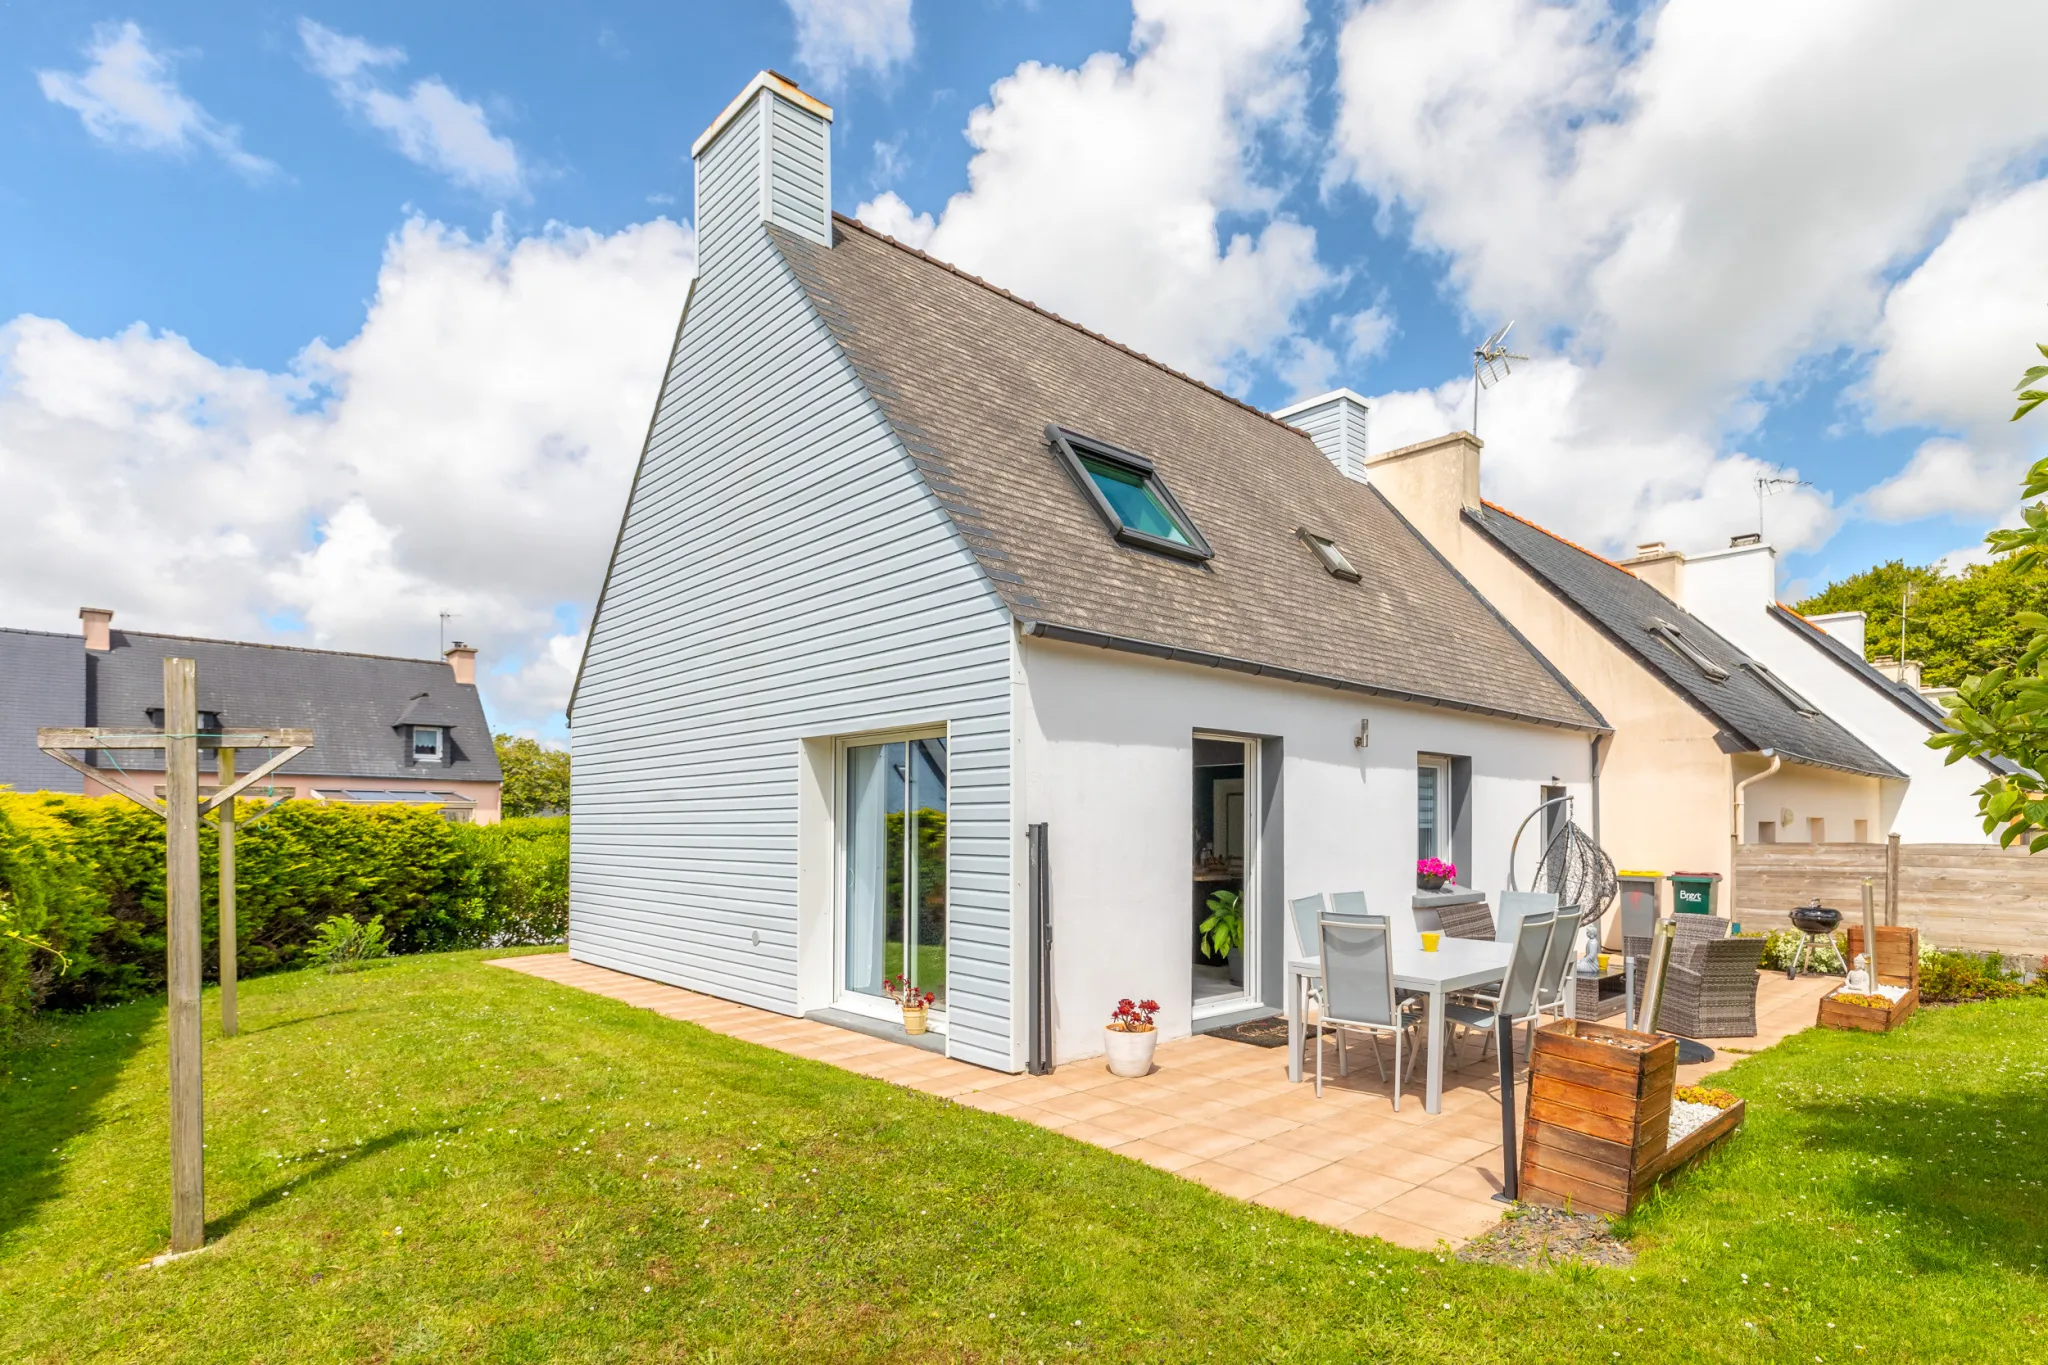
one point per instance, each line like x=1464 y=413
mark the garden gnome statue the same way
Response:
x=1589 y=962
x=1859 y=978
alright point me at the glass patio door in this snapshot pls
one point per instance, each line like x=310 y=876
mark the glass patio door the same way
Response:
x=895 y=849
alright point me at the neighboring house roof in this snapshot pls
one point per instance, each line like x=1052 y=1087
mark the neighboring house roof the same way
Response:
x=970 y=376
x=42 y=682
x=1907 y=699
x=355 y=704
x=1751 y=712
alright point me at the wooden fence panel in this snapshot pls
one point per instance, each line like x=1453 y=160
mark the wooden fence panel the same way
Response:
x=1958 y=895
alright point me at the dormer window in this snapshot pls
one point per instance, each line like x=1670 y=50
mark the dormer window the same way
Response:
x=1328 y=555
x=428 y=743
x=1130 y=497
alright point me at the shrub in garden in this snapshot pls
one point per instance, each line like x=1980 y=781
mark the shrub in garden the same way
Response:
x=86 y=876
x=343 y=945
x=1949 y=975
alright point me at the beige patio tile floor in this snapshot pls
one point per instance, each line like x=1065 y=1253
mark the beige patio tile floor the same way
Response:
x=1220 y=1112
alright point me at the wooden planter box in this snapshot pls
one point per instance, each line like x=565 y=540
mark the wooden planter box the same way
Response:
x=1898 y=964
x=1838 y=1013
x=1599 y=1115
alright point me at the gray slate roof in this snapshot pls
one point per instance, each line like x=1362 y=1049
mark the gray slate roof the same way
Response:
x=1751 y=714
x=969 y=376
x=1907 y=699
x=42 y=682
x=353 y=703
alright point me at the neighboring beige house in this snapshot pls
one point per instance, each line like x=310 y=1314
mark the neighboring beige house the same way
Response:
x=387 y=731
x=1707 y=740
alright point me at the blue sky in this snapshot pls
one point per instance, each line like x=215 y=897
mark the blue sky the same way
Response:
x=401 y=272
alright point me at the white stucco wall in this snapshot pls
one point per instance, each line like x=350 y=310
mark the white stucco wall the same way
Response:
x=1105 y=746
x=1733 y=590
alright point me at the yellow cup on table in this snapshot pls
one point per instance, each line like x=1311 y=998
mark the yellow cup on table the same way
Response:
x=1429 y=940
x=1605 y=958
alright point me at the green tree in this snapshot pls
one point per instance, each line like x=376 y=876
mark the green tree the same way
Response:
x=1959 y=624
x=536 y=778
x=2004 y=713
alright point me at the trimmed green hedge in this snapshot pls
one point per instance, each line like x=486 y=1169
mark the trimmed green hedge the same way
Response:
x=85 y=876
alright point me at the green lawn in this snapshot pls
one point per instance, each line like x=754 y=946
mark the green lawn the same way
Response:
x=438 y=1160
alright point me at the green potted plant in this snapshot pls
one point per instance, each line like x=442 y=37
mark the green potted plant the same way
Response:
x=915 y=1004
x=1223 y=933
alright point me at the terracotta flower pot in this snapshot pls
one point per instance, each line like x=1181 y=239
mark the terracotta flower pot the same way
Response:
x=914 y=1020
x=1130 y=1054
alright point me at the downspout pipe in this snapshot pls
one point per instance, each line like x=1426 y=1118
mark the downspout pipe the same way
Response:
x=1735 y=834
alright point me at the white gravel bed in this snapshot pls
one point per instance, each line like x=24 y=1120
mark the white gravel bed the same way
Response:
x=1688 y=1118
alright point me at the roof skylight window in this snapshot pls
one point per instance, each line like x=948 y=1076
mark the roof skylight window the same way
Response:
x=1673 y=636
x=1332 y=558
x=1128 y=494
x=1782 y=688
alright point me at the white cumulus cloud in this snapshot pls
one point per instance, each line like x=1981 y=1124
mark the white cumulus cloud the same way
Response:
x=1100 y=191
x=1691 y=203
x=835 y=38
x=128 y=96
x=468 y=450
x=429 y=124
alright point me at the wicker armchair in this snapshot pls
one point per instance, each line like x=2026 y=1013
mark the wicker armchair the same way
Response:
x=1714 y=994
x=1466 y=921
x=1692 y=933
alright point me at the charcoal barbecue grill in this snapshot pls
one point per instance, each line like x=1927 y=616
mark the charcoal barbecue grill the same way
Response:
x=1815 y=921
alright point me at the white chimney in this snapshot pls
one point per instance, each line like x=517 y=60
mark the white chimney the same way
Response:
x=1336 y=422
x=766 y=159
x=99 y=628
x=462 y=663
x=1846 y=626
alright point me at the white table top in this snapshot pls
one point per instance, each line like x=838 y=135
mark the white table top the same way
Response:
x=1456 y=964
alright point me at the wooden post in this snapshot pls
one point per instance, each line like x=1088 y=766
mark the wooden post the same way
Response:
x=228 y=1023
x=181 y=926
x=1891 y=880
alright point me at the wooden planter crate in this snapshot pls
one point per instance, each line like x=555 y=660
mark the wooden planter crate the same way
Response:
x=1898 y=964
x=1599 y=1115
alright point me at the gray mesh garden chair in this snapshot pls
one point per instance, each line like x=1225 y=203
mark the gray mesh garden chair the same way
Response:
x=1517 y=999
x=1515 y=904
x=1358 y=993
x=1560 y=965
x=1347 y=904
x=1307 y=911
x=1712 y=994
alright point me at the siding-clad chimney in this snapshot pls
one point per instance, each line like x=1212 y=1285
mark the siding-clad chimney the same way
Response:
x=766 y=159
x=462 y=663
x=1336 y=422
x=99 y=627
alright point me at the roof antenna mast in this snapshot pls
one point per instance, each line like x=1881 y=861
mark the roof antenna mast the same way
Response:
x=1764 y=488
x=1490 y=364
x=446 y=617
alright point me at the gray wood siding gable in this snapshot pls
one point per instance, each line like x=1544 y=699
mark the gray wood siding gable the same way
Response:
x=782 y=572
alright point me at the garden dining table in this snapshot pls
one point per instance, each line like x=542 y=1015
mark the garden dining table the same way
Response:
x=1458 y=964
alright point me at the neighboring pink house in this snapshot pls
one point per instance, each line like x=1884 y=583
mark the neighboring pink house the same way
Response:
x=388 y=731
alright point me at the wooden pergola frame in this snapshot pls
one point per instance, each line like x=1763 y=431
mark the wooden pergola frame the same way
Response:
x=181 y=810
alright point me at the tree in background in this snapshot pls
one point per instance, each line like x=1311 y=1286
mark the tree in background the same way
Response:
x=536 y=778
x=2004 y=713
x=1961 y=624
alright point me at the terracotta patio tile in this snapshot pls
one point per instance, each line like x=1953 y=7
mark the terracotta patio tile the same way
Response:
x=1025 y=1113
x=1455 y=1218
x=1415 y=1167
x=1135 y=1122
x=992 y=1101
x=1078 y=1105
x=1095 y=1134
x=1200 y=1139
x=1231 y=1180
x=1252 y=1124
x=1329 y=1141
x=1308 y=1204
x=1275 y=1160
x=1399 y=1231
x=1474 y=1180
x=1366 y=1189
x=1152 y=1154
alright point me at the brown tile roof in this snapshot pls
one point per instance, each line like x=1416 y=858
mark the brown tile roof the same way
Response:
x=969 y=376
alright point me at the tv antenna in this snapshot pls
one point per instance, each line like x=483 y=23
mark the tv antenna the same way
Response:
x=1765 y=487
x=446 y=617
x=1491 y=363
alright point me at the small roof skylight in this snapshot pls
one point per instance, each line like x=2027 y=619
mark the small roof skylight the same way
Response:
x=1673 y=636
x=1332 y=558
x=1128 y=494
x=1782 y=688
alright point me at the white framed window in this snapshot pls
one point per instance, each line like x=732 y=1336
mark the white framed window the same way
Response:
x=428 y=743
x=894 y=870
x=1433 y=807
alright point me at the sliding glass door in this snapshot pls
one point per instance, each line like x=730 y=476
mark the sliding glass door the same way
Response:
x=894 y=833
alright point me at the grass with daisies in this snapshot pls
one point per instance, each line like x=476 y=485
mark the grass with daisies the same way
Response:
x=439 y=1160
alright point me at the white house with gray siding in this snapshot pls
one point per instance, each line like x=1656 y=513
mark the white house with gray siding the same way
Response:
x=915 y=578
